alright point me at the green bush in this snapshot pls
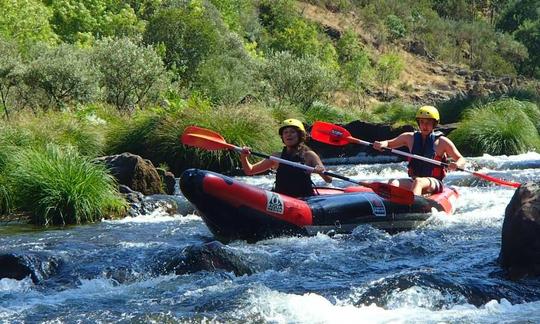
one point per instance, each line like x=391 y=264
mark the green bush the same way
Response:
x=498 y=128
x=396 y=28
x=26 y=21
x=131 y=74
x=65 y=74
x=228 y=77
x=284 y=110
x=11 y=68
x=83 y=21
x=188 y=33
x=239 y=15
x=300 y=81
x=57 y=186
x=387 y=70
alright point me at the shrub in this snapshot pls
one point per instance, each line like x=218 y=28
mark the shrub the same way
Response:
x=228 y=77
x=64 y=73
x=57 y=186
x=284 y=110
x=396 y=28
x=502 y=127
x=388 y=70
x=132 y=74
x=290 y=32
x=83 y=21
x=300 y=81
x=239 y=15
x=10 y=72
x=26 y=21
x=188 y=35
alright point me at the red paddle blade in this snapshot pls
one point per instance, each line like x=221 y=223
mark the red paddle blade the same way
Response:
x=330 y=133
x=204 y=138
x=392 y=193
x=496 y=180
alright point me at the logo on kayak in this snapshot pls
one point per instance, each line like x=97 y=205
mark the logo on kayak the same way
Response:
x=377 y=205
x=274 y=203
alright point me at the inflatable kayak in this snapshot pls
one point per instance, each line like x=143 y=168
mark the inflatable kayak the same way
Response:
x=234 y=210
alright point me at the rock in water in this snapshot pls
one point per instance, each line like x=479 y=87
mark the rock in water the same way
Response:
x=520 y=246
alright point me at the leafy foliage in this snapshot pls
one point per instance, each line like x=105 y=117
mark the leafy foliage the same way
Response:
x=26 y=21
x=64 y=73
x=132 y=74
x=387 y=70
x=10 y=72
x=300 y=81
x=228 y=77
x=83 y=21
x=188 y=35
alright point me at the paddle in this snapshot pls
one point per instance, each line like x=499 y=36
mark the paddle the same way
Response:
x=337 y=135
x=210 y=140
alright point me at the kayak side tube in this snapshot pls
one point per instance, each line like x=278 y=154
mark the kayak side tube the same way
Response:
x=234 y=210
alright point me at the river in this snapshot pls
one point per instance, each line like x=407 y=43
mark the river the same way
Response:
x=445 y=271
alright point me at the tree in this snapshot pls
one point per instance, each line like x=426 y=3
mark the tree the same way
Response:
x=529 y=34
x=355 y=64
x=26 y=21
x=388 y=70
x=10 y=72
x=64 y=73
x=298 y=80
x=83 y=21
x=188 y=36
x=131 y=74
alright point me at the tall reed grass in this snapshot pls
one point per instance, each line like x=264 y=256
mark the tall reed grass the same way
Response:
x=498 y=128
x=156 y=135
x=59 y=186
x=395 y=113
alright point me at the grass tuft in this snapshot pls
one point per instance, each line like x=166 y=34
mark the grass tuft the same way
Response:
x=58 y=186
x=498 y=128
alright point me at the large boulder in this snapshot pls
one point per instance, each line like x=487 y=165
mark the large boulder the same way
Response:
x=133 y=171
x=168 y=179
x=34 y=265
x=520 y=246
x=212 y=256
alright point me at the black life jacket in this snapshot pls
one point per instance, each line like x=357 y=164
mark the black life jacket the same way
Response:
x=293 y=181
x=419 y=168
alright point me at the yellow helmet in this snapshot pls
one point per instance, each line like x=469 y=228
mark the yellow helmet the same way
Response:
x=291 y=122
x=428 y=112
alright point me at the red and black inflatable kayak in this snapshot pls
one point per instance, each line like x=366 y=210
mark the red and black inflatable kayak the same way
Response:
x=235 y=210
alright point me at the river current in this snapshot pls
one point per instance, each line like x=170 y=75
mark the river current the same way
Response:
x=443 y=272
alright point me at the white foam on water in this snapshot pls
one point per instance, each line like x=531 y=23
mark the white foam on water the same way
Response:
x=8 y=285
x=529 y=156
x=156 y=216
x=98 y=288
x=278 y=307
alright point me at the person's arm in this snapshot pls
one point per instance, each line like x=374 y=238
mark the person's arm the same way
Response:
x=313 y=160
x=458 y=161
x=404 y=139
x=251 y=169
